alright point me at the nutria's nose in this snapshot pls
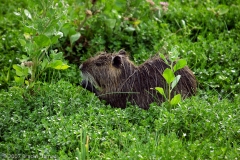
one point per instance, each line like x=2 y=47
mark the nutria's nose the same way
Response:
x=80 y=67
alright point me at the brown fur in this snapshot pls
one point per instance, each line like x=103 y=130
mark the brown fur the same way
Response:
x=115 y=79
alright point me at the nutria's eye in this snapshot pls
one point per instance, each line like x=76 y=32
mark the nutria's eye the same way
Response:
x=98 y=63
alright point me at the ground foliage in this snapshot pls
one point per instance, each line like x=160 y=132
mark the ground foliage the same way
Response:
x=59 y=119
x=51 y=119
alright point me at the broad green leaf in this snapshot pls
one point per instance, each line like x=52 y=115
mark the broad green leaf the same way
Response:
x=180 y=64
x=65 y=29
x=25 y=71
x=160 y=90
x=44 y=63
x=18 y=69
x=51 y=27
x=19 y=73
x=110 y=23
x=24 y=58
x=56 y=56
x=130 y=29
x=168 y=75
x=19 y=80
x=222 y=9
x=29 y=47
x=75 y=37
x=176 y=99
x=27 y=82
x=62 y=67
x=72 y=31
x=29 y=85
x=58 y=64
x=42 y=41
x=55 y=63
x=28 y=14
x=22 y=42
x=54 y=39
x=175 y=81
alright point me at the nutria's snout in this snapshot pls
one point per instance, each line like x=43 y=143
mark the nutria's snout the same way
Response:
x=81 y=66
x=87 y=85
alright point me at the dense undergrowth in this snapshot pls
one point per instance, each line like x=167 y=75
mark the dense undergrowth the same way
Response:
x=52 y=117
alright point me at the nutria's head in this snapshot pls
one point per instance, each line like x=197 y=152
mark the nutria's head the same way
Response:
x=107 y=70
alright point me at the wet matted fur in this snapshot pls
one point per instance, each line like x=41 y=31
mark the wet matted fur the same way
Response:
x=115 y=79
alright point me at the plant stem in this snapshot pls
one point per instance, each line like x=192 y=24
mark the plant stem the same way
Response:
x=169 y=92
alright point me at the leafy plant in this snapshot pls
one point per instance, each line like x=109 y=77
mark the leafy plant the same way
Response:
x=41 y=31
x=170 y=78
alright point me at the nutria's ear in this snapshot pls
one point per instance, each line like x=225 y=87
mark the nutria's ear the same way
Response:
x=117 y=61
x=122 y=52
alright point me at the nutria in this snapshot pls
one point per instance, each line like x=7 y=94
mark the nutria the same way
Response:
x=115 y=79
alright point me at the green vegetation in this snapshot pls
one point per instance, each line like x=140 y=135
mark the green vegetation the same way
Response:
x=170 y=78
x=45 y=114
